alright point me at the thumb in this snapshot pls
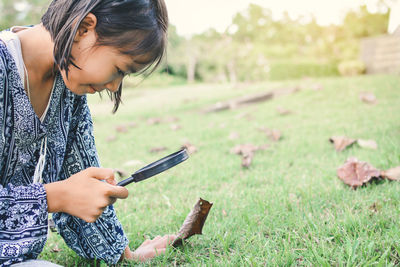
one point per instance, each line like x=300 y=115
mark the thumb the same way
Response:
x=101 y=174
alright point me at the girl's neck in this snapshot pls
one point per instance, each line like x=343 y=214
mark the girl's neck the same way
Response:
x=37 y=52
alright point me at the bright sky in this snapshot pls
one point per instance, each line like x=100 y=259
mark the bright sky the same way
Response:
x=196 y=16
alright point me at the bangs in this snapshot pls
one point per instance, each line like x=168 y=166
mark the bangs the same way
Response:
x=138 y=42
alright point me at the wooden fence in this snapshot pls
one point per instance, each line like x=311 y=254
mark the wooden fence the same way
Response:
x=381 y=54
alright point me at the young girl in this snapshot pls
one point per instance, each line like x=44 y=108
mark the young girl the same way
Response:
x=48 y=159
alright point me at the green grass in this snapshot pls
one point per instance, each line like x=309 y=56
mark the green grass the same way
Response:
x=288 y=208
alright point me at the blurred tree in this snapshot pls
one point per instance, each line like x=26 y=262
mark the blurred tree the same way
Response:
x=252 y=46
x=21 y=12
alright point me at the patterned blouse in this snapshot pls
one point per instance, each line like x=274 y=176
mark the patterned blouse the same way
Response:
x=70 y=149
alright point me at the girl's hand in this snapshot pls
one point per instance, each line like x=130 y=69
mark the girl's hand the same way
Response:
x=84 y=195
x=149 y=248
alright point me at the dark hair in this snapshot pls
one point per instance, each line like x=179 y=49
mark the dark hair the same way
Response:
x=134 y=27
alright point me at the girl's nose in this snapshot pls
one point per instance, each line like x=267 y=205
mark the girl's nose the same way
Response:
x=113 y=85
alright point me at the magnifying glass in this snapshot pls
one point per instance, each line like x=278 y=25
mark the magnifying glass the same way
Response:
x=156 y=167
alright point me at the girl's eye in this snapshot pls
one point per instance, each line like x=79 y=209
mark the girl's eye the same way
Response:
x=120 y=72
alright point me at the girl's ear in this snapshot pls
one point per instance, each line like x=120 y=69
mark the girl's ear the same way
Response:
x=87 y=25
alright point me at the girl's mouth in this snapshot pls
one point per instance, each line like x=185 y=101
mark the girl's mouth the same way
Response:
x=91 y=90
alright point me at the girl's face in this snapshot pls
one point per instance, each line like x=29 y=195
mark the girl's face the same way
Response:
x=101 y=67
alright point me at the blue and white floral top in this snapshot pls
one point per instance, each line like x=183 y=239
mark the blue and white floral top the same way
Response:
x=70 y=149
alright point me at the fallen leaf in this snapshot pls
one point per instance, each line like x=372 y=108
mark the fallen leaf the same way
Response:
x=121 y=173
x=233 y=136
x=175 y=127
x=317 y=87
x=111 y=138
x=371 y=144
x=273 y=134
x=341 y=142
x=246 y=160
x=374 y=208
x=56 y=249
x=133 y=162
x=392 y=174
x=282 y=111
x=194 y=221
x=121 y=129
x=356 y=173
x=172 y=119
x=157 y=149
x=368 y=97
x=189 y=147
x=132 y=124
x=247 y=153
x=244 y=115
x=244 y=149
x=153 y=121
x=224 y=213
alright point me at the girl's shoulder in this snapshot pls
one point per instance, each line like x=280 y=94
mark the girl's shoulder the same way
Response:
x=4 y=58
x=4 y=53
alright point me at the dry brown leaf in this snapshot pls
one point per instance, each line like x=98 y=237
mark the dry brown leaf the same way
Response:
x=368 y=97
x=341 y=142
x=121 y=129
x=246 y=160
x=194 y=222
x=132 y=124
x=317 y=87
x=374 y=207
x=356 y=173
x=121 y=173
x=172 y=119
x=244 y=149
x=371 y=144
x=247 y=152
x=273 y=134
x=224 y=213
x=133 y=162
x=282 y=111
x=158 y=149
x=175 y=127
x=190 y=148
x=244 y=115
x=392 y=174
x=153 y=121
x=111 y=138
x=56 y=249
x=233 y=136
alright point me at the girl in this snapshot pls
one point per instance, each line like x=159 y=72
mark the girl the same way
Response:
x=48 y=159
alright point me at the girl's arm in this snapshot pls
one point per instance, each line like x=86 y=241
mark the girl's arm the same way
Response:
x=23 y=209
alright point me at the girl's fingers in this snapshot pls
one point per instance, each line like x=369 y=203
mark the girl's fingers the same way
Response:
x=111 y=181
x=156 y=238
x=100 y=173
x=118 y=192
x=159 y=251
x=170 y=238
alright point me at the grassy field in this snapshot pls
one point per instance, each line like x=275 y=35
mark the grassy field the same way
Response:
x=289 y=207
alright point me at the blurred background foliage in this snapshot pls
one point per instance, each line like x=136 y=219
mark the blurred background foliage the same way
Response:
x=254 y=47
